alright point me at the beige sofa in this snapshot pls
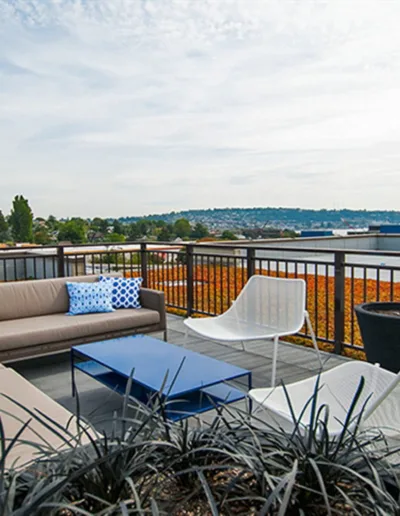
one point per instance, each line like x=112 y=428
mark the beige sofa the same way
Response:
x=33 y=318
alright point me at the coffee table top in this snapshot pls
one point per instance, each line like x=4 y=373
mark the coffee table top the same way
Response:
x=153 y=359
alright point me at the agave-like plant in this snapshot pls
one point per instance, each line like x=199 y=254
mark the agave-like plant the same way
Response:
x=237 y=464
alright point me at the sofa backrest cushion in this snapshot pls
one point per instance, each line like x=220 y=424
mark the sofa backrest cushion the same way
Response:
x=19 y=299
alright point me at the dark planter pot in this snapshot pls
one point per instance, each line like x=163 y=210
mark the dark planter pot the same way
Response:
x=380 y=334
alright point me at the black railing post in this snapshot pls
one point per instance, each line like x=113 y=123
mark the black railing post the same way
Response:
x=143 y=263
x=189 y=280
x=251 y=262
x=339 y=300
x=61 y=262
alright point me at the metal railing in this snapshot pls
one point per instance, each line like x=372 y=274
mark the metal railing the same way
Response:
x=205 y=278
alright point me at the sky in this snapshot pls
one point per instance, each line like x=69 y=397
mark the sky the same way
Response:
x=131 y=107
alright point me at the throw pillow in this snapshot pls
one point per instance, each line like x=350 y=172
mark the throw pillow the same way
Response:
x=125 y=291
x=87 y=298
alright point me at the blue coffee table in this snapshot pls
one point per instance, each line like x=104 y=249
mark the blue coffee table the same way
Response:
x=189 y=383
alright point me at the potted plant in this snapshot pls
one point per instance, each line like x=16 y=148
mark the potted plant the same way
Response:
x=380 y=330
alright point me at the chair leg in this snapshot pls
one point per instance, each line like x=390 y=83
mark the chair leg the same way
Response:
x=314 y=340
x=185 y=341
x=165 y=335
x=274 y=360
x=243 y=345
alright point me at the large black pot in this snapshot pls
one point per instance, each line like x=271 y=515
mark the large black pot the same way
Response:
x=380 y=333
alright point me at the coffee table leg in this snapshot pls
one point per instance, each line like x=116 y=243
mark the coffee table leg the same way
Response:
x=72 y=373
x=250 y=387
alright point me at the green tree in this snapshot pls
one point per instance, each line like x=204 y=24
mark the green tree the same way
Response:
x=144 y=226
x=134 y=232
x=21 y=220
x=160 y=223
x=166 y=234
x=99 y=225
x=118 y=227
x=41 y=236
x=199 y=231
x=73 y=230
x=182 y=228
x=41 y=233
x=114 y=237
x=52 y=223
x=3 y=228
x=228 y=235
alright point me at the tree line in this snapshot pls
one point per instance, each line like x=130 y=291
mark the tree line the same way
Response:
x=20 y=225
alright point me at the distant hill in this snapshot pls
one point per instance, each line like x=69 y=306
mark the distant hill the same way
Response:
x=295 y=218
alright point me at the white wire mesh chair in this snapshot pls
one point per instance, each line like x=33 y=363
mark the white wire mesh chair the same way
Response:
x=337 y=387
x=266 y=308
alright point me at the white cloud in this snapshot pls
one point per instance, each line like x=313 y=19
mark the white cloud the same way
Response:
x=116 y=107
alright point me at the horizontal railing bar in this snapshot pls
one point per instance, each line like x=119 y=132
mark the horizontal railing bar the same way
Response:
x=294 y=260
x=177 y=307
x=372 y=266
x=353 y=346
x=260 y=259
x=263 y=259
x=320 y=339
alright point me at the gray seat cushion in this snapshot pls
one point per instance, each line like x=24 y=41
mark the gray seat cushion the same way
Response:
x=31 y=331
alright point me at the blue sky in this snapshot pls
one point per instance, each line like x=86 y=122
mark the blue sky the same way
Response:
x=130 y=107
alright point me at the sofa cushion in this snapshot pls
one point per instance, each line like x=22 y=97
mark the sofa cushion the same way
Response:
x=89 y=298
x=19 y=299
x=13 y=417
x=19 y=333
x=125 y=291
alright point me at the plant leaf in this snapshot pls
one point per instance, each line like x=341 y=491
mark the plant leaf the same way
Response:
x=291 y=479
x=207 y=490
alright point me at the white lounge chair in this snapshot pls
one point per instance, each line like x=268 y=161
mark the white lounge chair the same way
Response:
x=266 y=308
x=337 y=387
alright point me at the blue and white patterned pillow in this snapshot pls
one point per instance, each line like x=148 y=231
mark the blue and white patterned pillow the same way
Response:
x=87 y=298
x=125 y=291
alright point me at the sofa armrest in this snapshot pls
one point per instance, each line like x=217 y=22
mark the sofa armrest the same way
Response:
x=154 y=300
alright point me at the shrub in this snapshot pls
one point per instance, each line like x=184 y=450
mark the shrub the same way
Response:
x=238 y=464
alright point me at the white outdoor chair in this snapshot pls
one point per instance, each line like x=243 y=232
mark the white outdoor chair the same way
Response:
x=337 y=387
x=266 y=308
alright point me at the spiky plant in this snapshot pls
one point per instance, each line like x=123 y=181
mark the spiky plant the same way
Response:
x=238 y=464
